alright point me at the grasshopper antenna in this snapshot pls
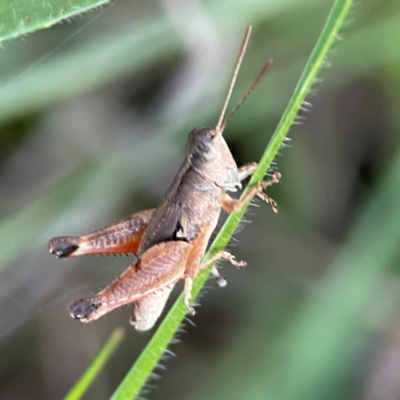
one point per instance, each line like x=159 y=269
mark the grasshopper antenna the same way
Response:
x=222 y=122
x=247 y=94
x=242 y=52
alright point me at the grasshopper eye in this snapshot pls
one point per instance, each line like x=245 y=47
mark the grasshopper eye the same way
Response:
x=206 y=150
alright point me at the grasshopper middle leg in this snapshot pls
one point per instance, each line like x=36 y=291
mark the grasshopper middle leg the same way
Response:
x=221 y=255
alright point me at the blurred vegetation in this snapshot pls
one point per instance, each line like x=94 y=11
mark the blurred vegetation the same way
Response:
x=91 y=373
x=94 y=116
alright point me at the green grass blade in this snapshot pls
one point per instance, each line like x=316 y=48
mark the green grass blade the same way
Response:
x=79 y=389
x=21 y=17
x=134 y=381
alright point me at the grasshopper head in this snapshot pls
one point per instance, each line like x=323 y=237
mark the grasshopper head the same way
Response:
x=209 y=154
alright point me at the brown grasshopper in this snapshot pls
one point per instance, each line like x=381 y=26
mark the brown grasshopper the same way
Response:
x=170 y=241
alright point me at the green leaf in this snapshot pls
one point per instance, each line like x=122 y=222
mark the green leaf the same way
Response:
x=133 y=383
x=22 y=17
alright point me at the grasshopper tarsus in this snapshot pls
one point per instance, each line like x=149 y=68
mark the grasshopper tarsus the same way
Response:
x=264 y=184
x=222 y=255
x=82 y=309
x=63 y=246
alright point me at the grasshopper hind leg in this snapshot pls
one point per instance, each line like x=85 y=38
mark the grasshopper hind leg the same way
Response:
x=148 y=310
x=156 y=270
x=123 y=237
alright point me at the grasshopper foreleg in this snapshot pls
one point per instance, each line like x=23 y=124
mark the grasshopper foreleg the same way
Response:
x=233 y=205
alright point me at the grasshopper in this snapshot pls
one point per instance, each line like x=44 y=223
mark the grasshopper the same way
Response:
x=171 y=240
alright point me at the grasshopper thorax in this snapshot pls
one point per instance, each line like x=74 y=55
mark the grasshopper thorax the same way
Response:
x=210 y=156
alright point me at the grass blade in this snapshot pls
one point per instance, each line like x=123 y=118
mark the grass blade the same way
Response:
x=79 y=389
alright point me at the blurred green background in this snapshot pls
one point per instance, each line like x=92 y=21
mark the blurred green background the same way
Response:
x=94 y=115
